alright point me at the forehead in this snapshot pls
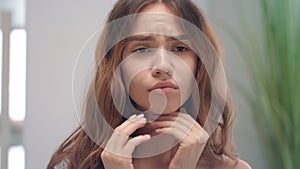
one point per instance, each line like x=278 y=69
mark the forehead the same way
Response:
x=154 y=37
x=159 y=23
x=158 y=8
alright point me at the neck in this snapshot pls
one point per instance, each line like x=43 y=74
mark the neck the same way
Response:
x=155 y=153
x=160 y=161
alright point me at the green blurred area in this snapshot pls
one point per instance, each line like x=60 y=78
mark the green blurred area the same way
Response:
x=274 y=64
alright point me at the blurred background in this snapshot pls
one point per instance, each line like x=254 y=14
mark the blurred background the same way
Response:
x=39 y=44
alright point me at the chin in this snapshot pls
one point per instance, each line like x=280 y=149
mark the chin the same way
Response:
x=173 y=105
x=171 y=109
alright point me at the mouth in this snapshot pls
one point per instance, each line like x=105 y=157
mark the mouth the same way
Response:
x=165 y=87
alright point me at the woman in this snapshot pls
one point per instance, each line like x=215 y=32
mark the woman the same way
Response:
x=148 y=85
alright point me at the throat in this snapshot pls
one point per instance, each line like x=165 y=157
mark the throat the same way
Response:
x=155 y=153
x=160 y=161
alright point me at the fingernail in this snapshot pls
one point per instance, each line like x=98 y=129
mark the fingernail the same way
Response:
x=132 y=116
x=140 y=115
x=142 y=120
x=158 y=130
x=147 y=136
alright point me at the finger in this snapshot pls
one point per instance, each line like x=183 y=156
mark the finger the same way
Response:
x=183 y=113
x=181 y=124
x=116 y=142
x=178 y=134
x=183 y=136
x=180 y=119
x=187 y=119
x=173 y=114
x=204 y=136
x=131 y=125
x=132 y=143
x=164 y=118
x=162 y=124
x=120 y=136
x=188 y=125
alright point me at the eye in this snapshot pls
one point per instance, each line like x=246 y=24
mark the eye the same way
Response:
x=180 y=49
x=141 y=50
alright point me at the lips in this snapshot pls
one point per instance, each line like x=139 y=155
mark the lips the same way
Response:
x=163 y=85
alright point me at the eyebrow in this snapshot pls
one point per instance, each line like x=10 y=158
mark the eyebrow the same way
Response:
x=177 y=38
x=151 y=38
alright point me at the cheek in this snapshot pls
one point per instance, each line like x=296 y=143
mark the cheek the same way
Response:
x=186 y=78
x=138 y=90
x=135 y=86
x=190 y=60
x=192 y=63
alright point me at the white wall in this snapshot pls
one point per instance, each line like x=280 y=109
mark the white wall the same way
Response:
x=57 y=30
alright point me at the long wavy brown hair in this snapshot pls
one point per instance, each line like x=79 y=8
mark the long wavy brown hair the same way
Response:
x=81 y=149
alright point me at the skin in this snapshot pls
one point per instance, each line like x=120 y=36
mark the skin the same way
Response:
x=163 y=69
x=173 y=121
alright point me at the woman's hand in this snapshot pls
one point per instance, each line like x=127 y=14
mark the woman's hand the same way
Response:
x=192 y=138
x=118 y=152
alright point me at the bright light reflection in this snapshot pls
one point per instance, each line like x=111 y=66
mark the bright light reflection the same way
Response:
x=16 y=157
x=1 y=57
x=17 y=76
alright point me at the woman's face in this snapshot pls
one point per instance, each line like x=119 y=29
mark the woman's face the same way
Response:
x=161 y=69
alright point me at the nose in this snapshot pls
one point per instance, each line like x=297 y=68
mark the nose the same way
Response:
x=162 y=67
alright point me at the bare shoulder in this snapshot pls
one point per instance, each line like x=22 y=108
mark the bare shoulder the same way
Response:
x=226 y=163
x=242 y=165
x=234 y=164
